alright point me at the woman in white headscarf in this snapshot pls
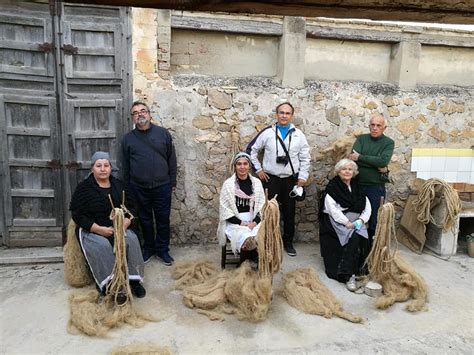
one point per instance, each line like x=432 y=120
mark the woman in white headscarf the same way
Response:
x=241 y=200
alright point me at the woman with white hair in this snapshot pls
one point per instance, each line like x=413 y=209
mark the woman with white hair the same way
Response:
x=240 y=202
x=343 y=233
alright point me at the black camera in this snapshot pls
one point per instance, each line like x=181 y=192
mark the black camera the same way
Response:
x=282 y=160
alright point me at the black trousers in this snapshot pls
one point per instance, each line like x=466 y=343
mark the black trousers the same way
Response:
x=340 y=262
x=282 y=187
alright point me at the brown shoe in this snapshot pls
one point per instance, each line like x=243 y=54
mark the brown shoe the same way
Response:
x=249 y=244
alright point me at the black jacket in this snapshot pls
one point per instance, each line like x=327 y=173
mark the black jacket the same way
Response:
x=90 y=203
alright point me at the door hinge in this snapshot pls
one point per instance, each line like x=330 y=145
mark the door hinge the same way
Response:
x=46 y=47
x=69 y=49
x=54 y=164
x=73 y=165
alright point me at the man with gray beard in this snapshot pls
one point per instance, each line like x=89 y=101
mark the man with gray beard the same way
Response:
x=149 y=168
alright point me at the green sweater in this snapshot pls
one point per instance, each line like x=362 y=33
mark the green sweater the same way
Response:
x=374 y=153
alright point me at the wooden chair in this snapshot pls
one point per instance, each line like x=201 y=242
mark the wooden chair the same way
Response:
x=227 y=255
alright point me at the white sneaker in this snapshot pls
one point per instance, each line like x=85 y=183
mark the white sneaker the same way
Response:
x=351 y=285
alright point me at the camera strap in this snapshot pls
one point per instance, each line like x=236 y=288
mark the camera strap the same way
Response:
x=285 y=150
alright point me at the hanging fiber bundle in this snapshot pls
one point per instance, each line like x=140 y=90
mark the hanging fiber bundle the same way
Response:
x=426 y=200
x=399 y=280
x=269 y=241
x=93 y=314
x=76 y=270
x=304 y=291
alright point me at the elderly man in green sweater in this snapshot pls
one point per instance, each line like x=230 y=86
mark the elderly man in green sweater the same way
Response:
x=372 y=153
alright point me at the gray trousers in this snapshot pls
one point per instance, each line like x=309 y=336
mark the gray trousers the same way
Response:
x=99 y=254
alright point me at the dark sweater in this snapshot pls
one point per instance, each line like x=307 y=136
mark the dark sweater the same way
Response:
x=90 y=203
x=245 y=186
x=150 y=164
x=374 y=153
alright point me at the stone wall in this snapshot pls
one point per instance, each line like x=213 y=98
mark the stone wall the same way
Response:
x=201 y=112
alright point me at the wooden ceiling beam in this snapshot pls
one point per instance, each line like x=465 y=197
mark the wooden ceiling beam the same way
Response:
x=440 y=11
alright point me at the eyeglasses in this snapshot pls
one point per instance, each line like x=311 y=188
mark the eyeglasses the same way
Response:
x=136 y=113
x=284 y=113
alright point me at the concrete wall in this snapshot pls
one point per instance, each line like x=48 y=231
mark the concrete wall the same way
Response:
x=201 y=111
x=224 y=54
x=347 y=60
x=447 y=66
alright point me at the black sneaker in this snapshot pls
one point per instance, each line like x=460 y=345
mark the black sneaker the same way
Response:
x=166 y=258
x=147 y=255
x=290 y=250
x=137 y=289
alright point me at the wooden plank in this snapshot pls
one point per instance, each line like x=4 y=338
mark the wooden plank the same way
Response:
x=24 y=260
x=37 y=163
x=29 y=131
x=34 y=222
x=443 y=11
x=22 y=20
x=95 y=51
x=373 y=35
x=32 y=193
x=227 y=25
x=94 y=134
x=23 y=46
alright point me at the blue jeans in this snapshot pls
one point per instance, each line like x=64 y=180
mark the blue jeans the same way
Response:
x=374 y=193
x=154 y=202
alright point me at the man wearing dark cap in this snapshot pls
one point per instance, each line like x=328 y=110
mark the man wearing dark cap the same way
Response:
x=149 y=167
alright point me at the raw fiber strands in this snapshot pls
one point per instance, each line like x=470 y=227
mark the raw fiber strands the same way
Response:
x=304 y=291
x=427 y=199
x=341 y=148
x=190 y=273
x=400 y=282
x=241 y=292
x=94 y=315
x=235 y=148
x=141 y=349
x=269 y=241
x=76 y=270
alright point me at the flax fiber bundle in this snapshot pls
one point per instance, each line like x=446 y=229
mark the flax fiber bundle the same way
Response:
x=240 y=291
x=76 y=270
x=93 y=315
x=269 y=241
x=341 y=148
x=243 y=291
x=399 y=280
x=426 y=200
x=141 y=349
x=304 y=291
x=189 y=273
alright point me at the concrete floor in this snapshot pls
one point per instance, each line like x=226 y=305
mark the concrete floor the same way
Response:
x=34 y=312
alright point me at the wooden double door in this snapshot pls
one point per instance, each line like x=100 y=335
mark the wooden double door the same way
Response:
x=65 y=90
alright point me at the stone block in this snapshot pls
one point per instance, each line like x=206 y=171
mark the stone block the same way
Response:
x=291 y=54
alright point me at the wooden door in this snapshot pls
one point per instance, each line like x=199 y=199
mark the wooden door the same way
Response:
x=97 y=62
x=64 y=79
x=30 y=150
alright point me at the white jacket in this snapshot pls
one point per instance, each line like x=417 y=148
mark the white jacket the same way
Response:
x=298 y=146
